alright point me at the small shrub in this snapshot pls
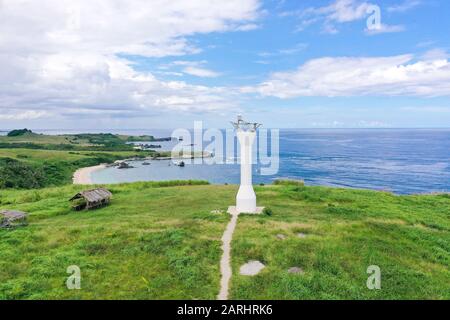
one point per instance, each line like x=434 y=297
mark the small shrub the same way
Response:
x=289 y=182
x=175 y=183
x=268 y=212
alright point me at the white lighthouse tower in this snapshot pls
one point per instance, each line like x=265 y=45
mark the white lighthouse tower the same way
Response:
x=246 y=198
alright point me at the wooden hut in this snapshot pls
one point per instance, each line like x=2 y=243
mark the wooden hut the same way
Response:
x=91 y=199
x=10 y=218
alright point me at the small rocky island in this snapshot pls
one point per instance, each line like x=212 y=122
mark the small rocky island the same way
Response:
x=124 y=165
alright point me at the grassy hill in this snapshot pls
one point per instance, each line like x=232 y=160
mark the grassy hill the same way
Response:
x=161 y=241
x=29 y=168
x=23 y=168
x=76 y=142
x=29 y=160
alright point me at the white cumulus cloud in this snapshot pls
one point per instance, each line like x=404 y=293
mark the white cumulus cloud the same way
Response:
x=349 y=76
x=24 y=115
x=70 y=58
x=405 y=6
x=339 y=12
x=200 y=72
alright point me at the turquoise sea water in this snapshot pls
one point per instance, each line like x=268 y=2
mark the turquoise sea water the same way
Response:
x=400 y=160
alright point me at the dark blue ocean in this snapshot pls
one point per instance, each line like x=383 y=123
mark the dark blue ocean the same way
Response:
x=403 y=161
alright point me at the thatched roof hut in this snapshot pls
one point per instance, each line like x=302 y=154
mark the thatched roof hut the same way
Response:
x=91 y=199
x=11 y=218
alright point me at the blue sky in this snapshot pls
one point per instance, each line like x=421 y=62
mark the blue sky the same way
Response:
x=287 y=64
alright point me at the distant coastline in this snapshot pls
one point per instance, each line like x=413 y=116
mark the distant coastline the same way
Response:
x=400 y=161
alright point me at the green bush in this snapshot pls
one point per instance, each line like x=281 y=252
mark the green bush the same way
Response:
x=289 y=182
x=173 y=183
x=268 y=212
x=16 y=174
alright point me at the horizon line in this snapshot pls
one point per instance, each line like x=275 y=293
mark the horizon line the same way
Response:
x=280 y=128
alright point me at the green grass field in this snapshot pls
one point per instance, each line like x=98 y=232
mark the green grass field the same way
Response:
x=40 y=156
x=161 y=241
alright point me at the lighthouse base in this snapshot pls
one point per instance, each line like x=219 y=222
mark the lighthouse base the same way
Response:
x=246 y=199
x=233 y=210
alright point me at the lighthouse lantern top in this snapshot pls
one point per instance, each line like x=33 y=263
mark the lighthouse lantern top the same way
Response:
x=242 y=125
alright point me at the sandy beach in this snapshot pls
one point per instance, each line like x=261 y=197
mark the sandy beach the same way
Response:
x=83 y=175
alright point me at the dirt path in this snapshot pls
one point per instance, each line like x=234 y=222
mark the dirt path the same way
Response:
x=225 y=263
